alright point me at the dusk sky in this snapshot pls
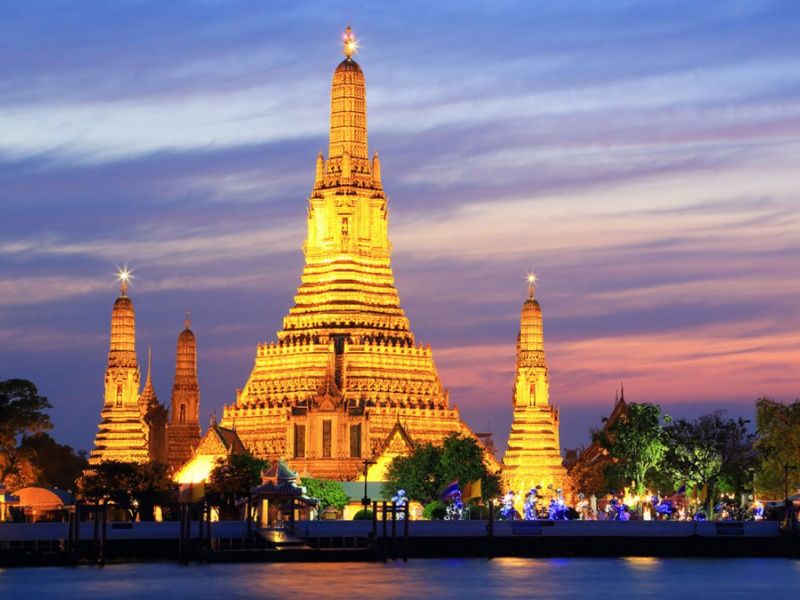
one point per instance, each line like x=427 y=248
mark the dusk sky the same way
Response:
x=642 y=157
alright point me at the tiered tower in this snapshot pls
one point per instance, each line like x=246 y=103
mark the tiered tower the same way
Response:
x=345 y=368
x=533 y=456
x=122 y=434
x=155 y=417
x=184 y=426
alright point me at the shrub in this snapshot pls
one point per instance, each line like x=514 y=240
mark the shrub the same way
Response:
x=435 y=511
x=363 y=515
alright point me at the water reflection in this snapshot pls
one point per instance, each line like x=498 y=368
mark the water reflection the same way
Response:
x=441 y=579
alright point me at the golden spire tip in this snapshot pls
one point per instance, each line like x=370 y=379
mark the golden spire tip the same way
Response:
x=531 y=284
x=350 y=42
x=188 y=320
x=123 y=276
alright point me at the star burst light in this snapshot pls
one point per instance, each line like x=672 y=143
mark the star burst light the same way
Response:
x=124 y=276
x=350 y=42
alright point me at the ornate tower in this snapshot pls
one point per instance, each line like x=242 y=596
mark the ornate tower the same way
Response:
x=345 y=367
x=122 y=434
x=533 y=456
x=184 y=426
x=155 y=417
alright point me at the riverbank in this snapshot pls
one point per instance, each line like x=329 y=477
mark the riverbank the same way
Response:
x=349 y=541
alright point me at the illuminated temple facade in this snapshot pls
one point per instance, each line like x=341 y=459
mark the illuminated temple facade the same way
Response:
x=345 y=380
x=134 y=426
x=533 y=456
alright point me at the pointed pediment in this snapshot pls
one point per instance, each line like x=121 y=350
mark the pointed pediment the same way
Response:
x=398 y=442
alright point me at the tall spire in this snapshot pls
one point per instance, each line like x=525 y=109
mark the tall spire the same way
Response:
x=148 y=395
x=122 y=433
x=531 y=334
x=348 y=124
x=184 y=427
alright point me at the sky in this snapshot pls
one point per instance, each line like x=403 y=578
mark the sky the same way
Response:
x=642 y=157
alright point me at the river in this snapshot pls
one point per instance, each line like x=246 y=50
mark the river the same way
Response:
x=584 y=578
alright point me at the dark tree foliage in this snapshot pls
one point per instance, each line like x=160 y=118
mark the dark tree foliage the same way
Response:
x=635 y=442
x=429 y=468
x=21 y=414
x=58 y=465
x=136 y=488
x=329 y=493
x=110 y=482
x=777 y=446
x=708 y=451
x=419 y=474
x=232 y=478
x=153 y=487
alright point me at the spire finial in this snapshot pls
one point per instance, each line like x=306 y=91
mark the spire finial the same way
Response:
x=622 y=391
x=123 y=276
x=149 y=356
x=187 y=321
x=531 y=284
x=350 y=42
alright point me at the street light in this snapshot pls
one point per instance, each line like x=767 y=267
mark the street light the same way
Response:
x=365 y=500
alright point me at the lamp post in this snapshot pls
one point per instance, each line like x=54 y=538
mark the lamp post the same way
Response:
x=365 y=499
x=786 y=468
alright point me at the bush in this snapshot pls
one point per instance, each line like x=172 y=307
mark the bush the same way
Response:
x=435 y=511
x=363 y=515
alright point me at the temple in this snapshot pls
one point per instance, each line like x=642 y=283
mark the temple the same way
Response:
x=184 y=425
x=122 y=434
x=134 y=426
x=533 y=456
x=345 y=371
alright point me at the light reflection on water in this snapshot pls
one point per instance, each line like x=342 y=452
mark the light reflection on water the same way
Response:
x=440 y=579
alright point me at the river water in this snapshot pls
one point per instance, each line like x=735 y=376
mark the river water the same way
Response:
x=763 y=579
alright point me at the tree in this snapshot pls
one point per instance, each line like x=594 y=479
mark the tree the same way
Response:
x=708 y=451
x=110 y=482
x=777 y=445
x=428 y=468
x=21 y=414
x=152 y=487
x=636 y=443
x=232 y=478
x=329 y=493
x=419 y=474
x=58 y=465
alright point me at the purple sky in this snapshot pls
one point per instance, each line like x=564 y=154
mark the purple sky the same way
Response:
x=642 y=157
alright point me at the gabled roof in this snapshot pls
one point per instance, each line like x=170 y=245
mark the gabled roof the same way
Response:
x=229 y=438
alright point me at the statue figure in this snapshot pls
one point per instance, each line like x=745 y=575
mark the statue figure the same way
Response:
x=455 y=510
x=507 y=510
x=557 y=509
x=400 y=500
x=529 y=508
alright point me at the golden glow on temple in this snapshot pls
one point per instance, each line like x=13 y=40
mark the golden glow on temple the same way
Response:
x=533 y=456
x=345 y=368
x=345 y=380
x=134 y=426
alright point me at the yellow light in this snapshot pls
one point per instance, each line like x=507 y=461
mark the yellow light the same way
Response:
x=531 y=278
x=350 y=42
x=124 y=276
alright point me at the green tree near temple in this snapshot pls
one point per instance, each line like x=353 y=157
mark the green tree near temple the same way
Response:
x=152 y=486
x=429 y=468
x=232 y=478
x=707 y=452
x=329 y=493
x=21 y=415
x=777 y=447
x=636 y=444
x=110 y=482
x=58 y=465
